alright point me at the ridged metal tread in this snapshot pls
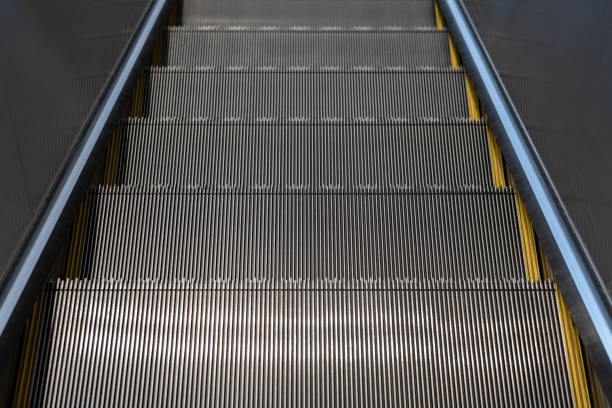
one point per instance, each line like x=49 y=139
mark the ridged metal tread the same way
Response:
x=314 y=96
x=428 y=344
x=187 y=152
x=182 y=233
x=346 y=48
x=308 y=12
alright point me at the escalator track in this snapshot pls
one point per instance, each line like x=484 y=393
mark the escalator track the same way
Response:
x=305 y=207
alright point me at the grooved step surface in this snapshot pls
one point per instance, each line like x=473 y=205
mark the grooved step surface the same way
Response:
x=303 y=216
x=308 y=12
x=144 y=344
x=314 y=96
x=188 y=233
x=182 y=152
x=300 y=48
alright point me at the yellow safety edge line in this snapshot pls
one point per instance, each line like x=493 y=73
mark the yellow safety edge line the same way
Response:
x=28 y=358
x=546 y=268
x=454 y=54
x=530 y=256
x=497 y=163
x=573 y=355
x=439 y=19
x=473 y=104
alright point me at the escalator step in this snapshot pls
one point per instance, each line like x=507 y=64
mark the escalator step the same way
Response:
x=183 y=152
x=347 y=48
x=306 y=96
x=182 y=233
x=442 y=344
x=308 y=12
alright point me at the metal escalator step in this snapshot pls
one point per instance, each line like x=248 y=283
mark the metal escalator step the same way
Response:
x=184 y=152
x=346 y=48
x=189 y=344
x=308 y=12
x=182 y=233
x=306 y=96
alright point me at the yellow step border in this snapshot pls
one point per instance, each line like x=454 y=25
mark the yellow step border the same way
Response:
x=495 y=157
x=530 y=255
x=573 y=355
x=546 y=268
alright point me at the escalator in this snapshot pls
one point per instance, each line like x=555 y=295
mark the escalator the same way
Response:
x=305 y=207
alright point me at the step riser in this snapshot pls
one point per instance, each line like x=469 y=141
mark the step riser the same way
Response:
x=314 y=96
x=311 y=49
x=315 y=156
x=308 y=13
x=278 y=237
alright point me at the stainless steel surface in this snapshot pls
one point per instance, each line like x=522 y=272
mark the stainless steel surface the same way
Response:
x=305 y=96
x=423 y=343
x=376 y=156
x=314 y=48
x=311 y=234
x=180 y=233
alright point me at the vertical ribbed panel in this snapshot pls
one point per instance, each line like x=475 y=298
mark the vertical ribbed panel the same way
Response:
x=346 y=48
x=179 y=152
x=306 y=13
x=189 y=233
x=311 y=96
x=423 y=344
